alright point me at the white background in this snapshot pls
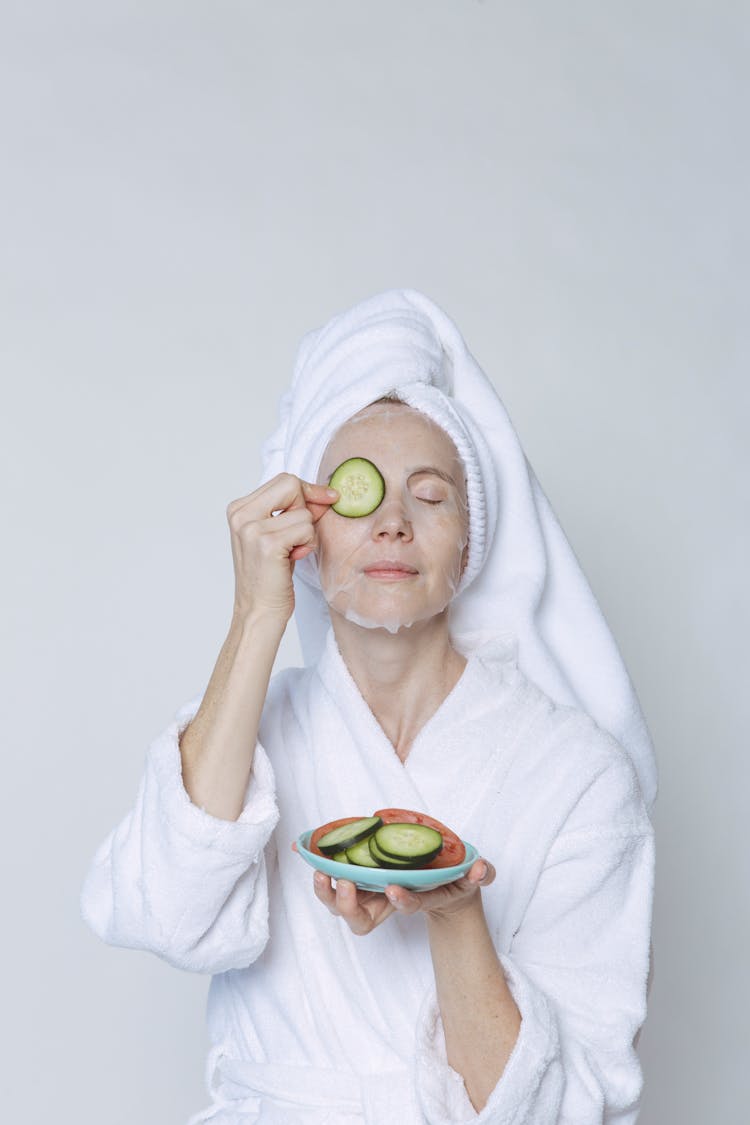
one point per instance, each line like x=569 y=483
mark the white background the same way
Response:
x=188 y=187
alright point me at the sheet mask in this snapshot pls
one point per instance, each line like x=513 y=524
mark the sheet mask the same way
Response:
x=522 y=584
x=422 y=521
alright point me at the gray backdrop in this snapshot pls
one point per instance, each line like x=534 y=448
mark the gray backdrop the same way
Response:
x=188 y=187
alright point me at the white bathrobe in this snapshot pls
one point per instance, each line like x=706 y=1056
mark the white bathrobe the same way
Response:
x=312 y=1024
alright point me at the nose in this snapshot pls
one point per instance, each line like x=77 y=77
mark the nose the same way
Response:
x=390 y=519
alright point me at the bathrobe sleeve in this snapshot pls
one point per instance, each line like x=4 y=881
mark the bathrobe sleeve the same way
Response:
x=177 y=881
x=578 y=971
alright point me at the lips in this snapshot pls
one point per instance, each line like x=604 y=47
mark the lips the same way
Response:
x=391 y=564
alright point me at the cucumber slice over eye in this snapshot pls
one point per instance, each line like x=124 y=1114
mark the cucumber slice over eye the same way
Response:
x=361 y=486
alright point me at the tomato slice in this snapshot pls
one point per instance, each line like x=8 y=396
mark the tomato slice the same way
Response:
x=321 y=831
x=452 y=851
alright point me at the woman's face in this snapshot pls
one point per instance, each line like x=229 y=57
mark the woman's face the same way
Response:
x=422 y=521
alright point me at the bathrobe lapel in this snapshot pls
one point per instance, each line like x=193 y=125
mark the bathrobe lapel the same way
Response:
x=373 y=769
x=446 y=770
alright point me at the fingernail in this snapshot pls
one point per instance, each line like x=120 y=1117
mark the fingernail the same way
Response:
x=332 y=491
x=483 y=872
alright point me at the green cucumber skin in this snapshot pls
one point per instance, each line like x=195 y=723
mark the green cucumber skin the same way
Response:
x=354 y=509
x=384 y=860
x=339 y=839
x=387 y=838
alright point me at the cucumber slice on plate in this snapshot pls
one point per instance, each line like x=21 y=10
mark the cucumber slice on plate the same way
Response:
x=382 y=860
x=347 y=835
x=408 y=843
x=361 y=855
x=361 y=486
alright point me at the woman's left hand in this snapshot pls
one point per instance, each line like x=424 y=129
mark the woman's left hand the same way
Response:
x=364 y=910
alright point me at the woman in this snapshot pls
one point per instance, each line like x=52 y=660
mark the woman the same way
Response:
x=479 y=684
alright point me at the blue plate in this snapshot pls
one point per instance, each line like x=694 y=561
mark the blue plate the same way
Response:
x=378 y=878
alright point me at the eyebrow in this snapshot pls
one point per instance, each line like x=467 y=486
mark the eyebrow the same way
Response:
x=436 y=472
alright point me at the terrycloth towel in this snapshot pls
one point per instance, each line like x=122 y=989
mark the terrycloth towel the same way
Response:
x=522 y=576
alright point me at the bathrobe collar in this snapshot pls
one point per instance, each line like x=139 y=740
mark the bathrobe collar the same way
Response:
x=379 y=775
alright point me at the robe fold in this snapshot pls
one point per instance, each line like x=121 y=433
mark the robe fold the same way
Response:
x=312 y=1024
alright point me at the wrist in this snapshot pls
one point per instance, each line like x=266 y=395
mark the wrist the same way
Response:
x=252 y=620
x=463 y=915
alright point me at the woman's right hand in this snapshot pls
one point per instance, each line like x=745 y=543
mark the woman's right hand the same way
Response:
x=265 y=547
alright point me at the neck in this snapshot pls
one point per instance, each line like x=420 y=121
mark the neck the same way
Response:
x=403 y=677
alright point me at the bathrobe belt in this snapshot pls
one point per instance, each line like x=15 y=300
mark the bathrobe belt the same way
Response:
x=239 y=1085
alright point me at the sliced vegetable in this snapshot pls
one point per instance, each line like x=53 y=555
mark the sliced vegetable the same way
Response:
x=344 y=836
x=382 y=860
x=361 y=855
x=452 y=852
x=357 y=840
x=324 y=828
x=410 y=843
x=361 y=486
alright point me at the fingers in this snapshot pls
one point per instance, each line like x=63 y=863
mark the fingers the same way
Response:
x=319 y=498
x=270 y=530
x=282 y=493
x=323 y=887
x=293 y=492
x=447 y=898
x=361 y=912
x=481 y=873
x=356 y=917
x=406 y=902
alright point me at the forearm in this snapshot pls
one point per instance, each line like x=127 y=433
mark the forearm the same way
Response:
x=217 y=747
x=480 y=1018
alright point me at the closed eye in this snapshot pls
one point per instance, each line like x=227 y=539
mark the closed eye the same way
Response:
x=426 y=501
